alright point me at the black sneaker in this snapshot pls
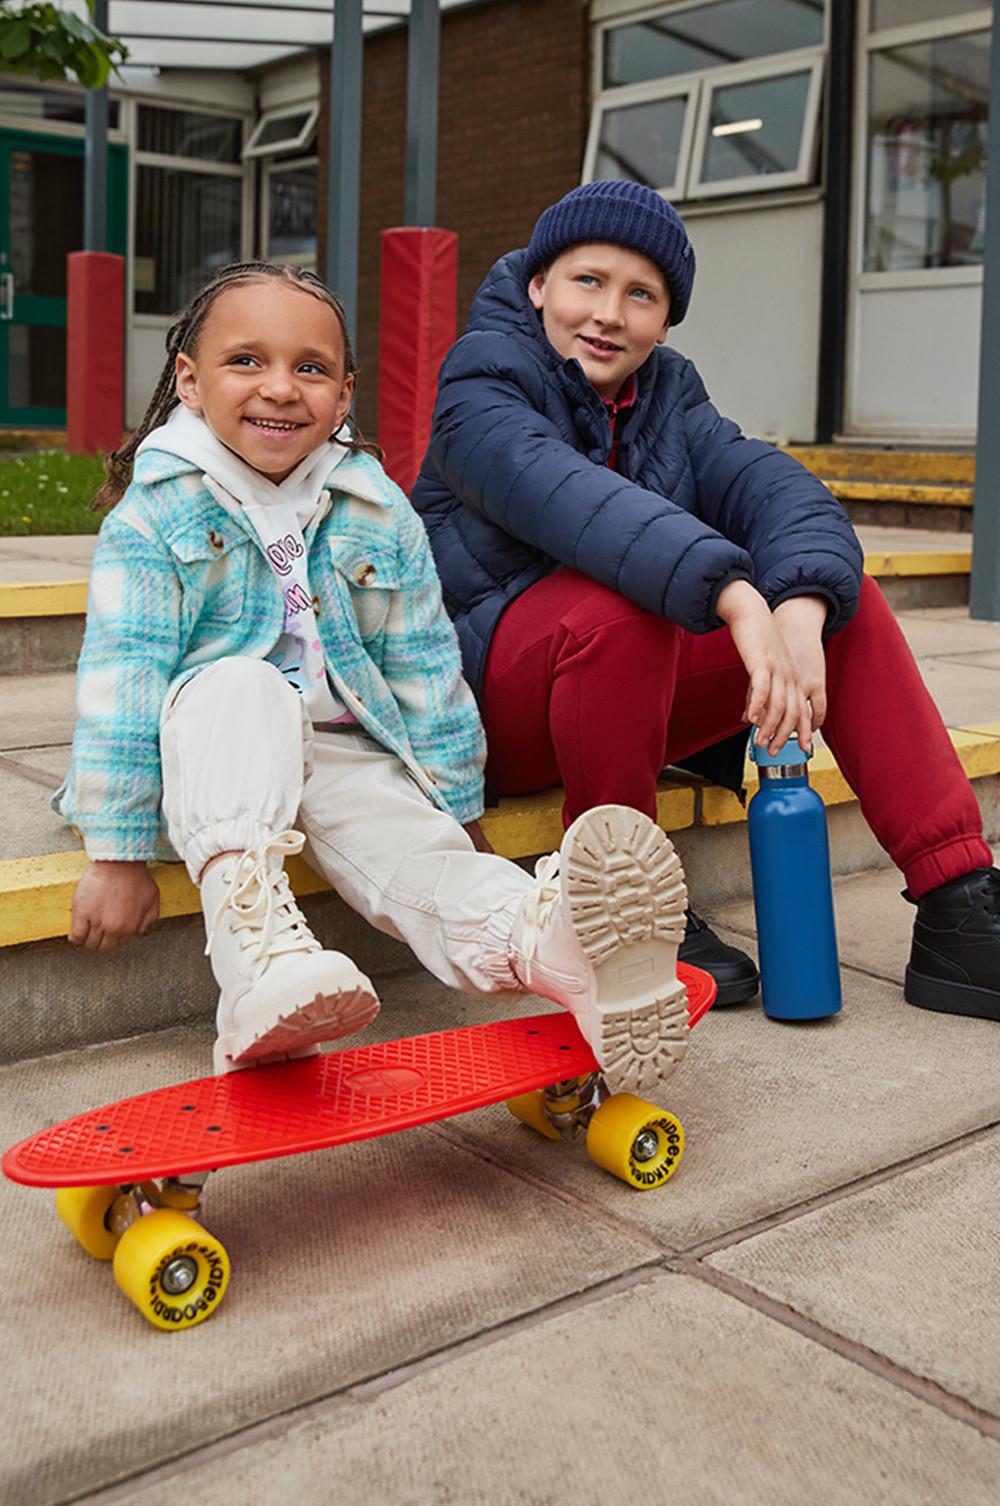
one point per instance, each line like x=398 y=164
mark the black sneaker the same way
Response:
x=735 y=975
x=955 y=957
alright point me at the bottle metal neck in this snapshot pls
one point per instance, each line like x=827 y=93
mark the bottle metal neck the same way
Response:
x=783 y=771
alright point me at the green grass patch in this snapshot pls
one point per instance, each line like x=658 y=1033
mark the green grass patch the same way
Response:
x=48 y=491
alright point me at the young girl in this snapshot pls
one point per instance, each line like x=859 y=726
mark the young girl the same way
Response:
x=267 y=664
x=633 y=580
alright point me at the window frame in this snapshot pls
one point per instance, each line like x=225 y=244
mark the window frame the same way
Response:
x=253 y=147
x=976 y=19
x=700 y=84
x=648 y=93
x=808 y=60
x=142 y=319
x=298 y=258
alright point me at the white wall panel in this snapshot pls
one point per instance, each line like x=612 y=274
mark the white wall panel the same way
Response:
x=753 y=325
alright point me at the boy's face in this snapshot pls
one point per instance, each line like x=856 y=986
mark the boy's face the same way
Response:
x=267 y=374
x=605 y=305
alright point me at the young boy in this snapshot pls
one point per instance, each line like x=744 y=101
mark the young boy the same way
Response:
x=633 y=581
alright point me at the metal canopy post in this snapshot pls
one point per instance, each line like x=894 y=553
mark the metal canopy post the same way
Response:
x=343 y=186
x=984 y=591
x=421 y=111
x=95 y=156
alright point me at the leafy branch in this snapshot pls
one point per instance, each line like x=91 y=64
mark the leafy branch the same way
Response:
x=45 y=42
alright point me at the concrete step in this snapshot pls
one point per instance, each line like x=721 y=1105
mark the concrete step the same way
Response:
x=897 y=488
x=43 y=590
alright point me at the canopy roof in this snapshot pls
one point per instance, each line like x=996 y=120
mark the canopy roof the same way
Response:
x=234 y=34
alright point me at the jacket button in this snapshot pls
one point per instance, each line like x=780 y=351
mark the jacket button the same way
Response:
x=215 y=541
x=315 y=605
x=364 y=574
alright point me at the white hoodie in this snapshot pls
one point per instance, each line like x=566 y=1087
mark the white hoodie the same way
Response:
x=279 y=513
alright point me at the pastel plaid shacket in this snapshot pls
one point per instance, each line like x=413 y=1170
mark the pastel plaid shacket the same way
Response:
x=179 y=581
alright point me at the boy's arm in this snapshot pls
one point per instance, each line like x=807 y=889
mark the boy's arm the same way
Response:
x=423 y=668
x=130 y=652
x=795 y=531
x=495 y=449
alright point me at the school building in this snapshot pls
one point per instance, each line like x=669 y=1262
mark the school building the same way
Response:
x=828 y=156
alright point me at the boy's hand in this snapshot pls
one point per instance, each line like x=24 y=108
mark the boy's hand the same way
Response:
x=113 y=902
x=776 y=703
x=801 y=620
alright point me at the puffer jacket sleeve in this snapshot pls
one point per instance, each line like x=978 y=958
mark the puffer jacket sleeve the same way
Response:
x=495 y=448
x=799 y=537
x=130 y=651
x=423 y=668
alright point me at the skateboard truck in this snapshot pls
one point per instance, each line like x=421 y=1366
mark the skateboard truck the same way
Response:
x=570 y=1105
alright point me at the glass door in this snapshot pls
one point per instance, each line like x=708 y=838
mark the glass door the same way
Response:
x=41 y=222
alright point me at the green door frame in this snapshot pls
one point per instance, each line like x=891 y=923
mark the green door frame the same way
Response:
x=33 y=308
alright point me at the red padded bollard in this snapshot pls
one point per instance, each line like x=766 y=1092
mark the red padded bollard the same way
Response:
x=95 y=351
x=417 y=328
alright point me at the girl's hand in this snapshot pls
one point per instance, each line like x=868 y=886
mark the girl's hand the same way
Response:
x=776 y=703
x=113 y=902
x=479 y=841
x=801 y=620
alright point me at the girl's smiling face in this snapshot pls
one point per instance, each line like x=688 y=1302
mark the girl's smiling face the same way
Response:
x=605 y=305
x=267 y=374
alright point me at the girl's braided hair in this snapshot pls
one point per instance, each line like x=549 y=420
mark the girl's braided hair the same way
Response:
x=182 y=336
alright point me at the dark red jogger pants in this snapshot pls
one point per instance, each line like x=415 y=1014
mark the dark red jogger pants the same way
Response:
x=584 y=689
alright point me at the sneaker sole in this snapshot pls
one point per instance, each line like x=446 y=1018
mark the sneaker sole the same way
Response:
x=624 y=886
x=327 y=1017
x=945 y=997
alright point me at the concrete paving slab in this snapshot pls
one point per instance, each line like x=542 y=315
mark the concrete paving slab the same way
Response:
x=38 y=710
x=776 y=1114
x=931 y=634
x=667 y=1392
x=910 y=1267
x=347 y=1263
x=963 y=693
x=990 y=659
x=28 y=825
x=56 y=557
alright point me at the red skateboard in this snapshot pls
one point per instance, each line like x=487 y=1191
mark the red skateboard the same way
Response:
x=130 y=1175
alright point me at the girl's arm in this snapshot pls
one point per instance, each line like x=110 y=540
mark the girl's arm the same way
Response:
x=494 y=447
x=422 y=666
x=130 y=652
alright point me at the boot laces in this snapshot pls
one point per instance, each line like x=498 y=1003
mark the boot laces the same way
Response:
x=539 y=905
x=263 y=906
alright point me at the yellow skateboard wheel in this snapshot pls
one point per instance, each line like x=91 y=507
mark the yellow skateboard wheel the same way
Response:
x=529 y=1108
x=83 y=1210
x=636 y=1141
x=171 y=1268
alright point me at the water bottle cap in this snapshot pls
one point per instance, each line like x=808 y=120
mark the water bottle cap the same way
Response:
x=790 y=754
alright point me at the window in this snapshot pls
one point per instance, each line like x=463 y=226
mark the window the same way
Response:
x=701 y=100
x=928 y=108
x=190 y=196
x=30 y=105
x=291 y=211
x=886 y=13
x=279 y=132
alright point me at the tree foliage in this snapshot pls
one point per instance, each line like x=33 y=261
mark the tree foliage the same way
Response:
x=45 y=42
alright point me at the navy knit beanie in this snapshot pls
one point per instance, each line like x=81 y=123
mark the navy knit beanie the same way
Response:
x=626 y=214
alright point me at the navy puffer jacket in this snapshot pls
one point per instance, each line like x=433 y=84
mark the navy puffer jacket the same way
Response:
x=515 y=483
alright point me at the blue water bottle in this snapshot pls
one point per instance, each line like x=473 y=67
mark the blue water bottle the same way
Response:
x=792 y=892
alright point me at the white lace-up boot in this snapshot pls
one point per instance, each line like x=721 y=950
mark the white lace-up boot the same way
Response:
x=599 y=935
x=281 y=993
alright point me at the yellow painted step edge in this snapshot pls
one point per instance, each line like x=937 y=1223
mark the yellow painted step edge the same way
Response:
x=931 y=466
x=900 y=491
x=882 y=563
x=68 y=598
x=35 y=893
x=43 y=598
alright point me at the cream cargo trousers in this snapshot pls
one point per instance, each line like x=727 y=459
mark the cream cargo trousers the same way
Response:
x=241 y=762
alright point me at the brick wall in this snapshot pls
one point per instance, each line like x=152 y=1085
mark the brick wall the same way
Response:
x=512 y=123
